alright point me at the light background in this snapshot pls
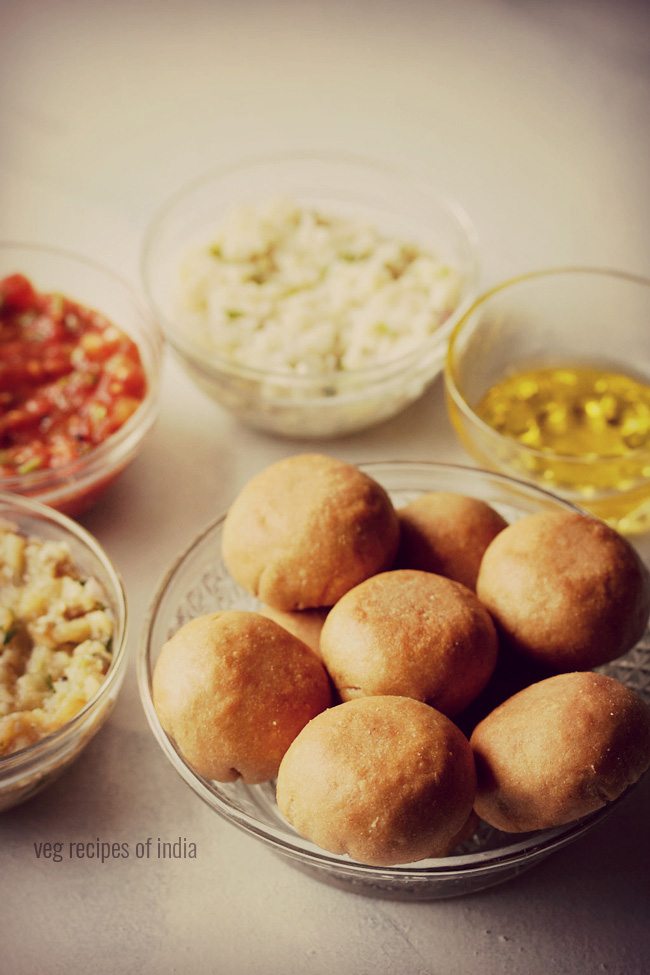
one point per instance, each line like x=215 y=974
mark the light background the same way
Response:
x=535 y=115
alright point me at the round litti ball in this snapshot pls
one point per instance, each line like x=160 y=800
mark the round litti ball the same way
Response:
x=447 y=534
x=306 y=624
x=306 y=529
x=234 y=689
x=384 y=779
x=558 y=750
x=565 y=590
x=412 y=634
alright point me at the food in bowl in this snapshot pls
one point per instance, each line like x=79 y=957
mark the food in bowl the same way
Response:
x=200 y=583
x=558 y=750
x=87 y=366
x=413 y=634
x=234 y=689
x=255 y=372
x=26 y=770
x=567 y=592
x=56 y=634
x=386 y=780
x=69 y=378
x=291 y=288
x=306 y=529
x=546 y=378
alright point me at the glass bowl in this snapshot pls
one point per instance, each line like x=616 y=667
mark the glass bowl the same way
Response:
x=28 y=770
x=198 y=582
x=76 y=485
x=287 y=403
x=556 y=317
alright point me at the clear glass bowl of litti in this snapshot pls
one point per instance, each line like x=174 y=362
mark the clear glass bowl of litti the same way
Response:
x=198 y=582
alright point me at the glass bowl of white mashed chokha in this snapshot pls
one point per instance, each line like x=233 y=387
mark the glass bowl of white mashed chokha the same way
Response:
x=311 y=296
x=62 y=644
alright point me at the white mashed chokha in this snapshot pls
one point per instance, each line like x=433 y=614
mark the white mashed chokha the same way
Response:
x=286 y=288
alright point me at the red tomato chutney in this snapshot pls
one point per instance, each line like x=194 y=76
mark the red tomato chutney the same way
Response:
x=69 y=378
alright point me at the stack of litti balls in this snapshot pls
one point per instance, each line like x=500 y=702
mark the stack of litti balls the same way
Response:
x=375 y=629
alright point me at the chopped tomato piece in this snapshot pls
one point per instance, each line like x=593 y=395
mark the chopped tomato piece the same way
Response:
x=17 y=293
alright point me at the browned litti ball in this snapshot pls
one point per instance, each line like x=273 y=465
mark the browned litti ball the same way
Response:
x=410 y=633
x=306 y=529
x=565 y=590
x=384 y=779
x=558 y=750
x=306 y=624
x=234 y=689
x=447 y=534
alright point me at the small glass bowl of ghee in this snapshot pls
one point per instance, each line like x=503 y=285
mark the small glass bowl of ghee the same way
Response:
x=548 y=378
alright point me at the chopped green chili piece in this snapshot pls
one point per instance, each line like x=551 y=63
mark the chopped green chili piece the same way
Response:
x=30 y=465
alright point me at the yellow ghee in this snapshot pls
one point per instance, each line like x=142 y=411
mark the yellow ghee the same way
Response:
x=589 y=429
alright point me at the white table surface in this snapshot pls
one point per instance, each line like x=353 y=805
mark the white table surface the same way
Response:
x=535 y=115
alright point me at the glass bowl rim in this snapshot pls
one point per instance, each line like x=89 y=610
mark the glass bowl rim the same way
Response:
x=105 y=456
x=217 y=365
x=51 y=742
x=450 y=372
x=536 y=844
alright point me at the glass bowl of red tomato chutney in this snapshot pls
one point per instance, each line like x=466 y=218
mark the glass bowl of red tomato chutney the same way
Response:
x=79 y=376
